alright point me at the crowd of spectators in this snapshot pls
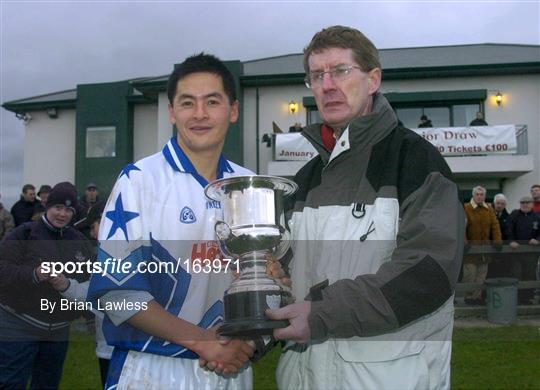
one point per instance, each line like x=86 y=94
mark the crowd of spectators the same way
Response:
x=494 y=225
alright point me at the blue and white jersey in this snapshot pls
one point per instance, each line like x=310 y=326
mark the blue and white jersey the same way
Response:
x=158 y=213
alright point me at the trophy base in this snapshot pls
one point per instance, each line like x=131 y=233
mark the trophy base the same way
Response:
x=250 y=329
x=244 y=313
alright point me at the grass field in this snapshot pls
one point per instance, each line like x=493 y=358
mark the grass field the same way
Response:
x=483 y=358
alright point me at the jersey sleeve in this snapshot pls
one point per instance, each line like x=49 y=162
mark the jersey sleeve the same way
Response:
x=123 y=240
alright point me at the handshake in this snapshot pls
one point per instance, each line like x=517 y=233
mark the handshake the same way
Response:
x=226 y=356
x=222 y=355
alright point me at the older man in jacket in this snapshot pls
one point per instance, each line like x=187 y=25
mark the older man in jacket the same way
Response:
x=482 y=228
x=379 y=237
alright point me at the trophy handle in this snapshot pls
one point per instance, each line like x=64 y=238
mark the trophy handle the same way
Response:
x=223 y=233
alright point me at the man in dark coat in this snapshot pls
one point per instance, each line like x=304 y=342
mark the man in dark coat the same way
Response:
x=425 y=122
x=499 y=206
x=500 y=266
x=479 y=120
x=89 y=199
x=23 y=210
x=34 y=323
x=41 y=206
x=524 y=229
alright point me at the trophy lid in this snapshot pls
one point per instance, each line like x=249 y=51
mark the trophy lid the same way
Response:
x=220 y=187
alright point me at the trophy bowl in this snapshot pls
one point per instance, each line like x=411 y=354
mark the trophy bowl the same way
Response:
x=252 y=230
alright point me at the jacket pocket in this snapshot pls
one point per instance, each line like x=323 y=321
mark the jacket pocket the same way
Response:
x=383 y=365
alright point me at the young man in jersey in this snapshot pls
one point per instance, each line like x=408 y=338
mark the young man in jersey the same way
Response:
x=158 y=213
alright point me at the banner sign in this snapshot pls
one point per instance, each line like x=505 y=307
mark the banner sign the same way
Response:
x=450 y=141
x=462 y=141
x=293 y=146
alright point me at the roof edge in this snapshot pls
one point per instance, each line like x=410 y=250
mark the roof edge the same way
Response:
x=35 y=106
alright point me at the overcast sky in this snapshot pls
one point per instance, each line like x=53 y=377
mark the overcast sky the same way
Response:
x=51 y=46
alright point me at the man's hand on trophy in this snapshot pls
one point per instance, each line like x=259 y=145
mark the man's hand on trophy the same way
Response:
x=225 y=356
x=297 y=314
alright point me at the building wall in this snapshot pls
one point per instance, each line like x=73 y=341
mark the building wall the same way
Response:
x=521 y=102
x=250 y=129
x=145 y=120
x=49 y=148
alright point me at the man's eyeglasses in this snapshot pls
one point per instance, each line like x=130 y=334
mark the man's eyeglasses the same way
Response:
x=338 y=73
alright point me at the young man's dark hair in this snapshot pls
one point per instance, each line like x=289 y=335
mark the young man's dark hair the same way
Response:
x=202 y=63
x=28 y=187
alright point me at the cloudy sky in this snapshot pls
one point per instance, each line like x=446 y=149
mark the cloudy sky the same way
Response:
x=49 y=46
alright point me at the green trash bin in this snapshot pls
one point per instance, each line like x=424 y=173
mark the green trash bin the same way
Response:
x=501 y=300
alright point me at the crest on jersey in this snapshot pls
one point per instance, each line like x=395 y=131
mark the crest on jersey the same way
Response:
x=273 y=301
x=187 y=215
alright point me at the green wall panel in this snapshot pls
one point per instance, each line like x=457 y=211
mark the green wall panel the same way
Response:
x=103 y=104
x=234 y=143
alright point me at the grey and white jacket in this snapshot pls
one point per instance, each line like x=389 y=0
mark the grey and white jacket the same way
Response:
x=380 y=218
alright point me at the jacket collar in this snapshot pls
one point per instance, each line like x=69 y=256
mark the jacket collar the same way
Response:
x=364 y=131
x=51 y=228
x=475 y=205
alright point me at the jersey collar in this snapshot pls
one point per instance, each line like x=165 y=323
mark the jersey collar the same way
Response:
x=179 y=162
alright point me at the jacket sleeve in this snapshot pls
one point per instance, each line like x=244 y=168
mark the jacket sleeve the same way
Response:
x=9 y=223
x=536 y=227
x=76 y=290
x=510 y=229
x=495 y=227
x=15 y=275
x=420 y=277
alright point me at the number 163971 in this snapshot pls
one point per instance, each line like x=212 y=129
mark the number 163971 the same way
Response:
x=207 y=266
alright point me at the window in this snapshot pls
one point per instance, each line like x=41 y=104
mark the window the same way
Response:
x=101 y=142
x=464 y=113
x=444 y=108
x=410 y=117
x=448 y=115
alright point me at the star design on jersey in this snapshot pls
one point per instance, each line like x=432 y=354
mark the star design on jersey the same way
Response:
x=127 y=169
x=119 y=218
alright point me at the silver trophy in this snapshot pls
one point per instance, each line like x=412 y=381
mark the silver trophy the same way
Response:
x=252 y=230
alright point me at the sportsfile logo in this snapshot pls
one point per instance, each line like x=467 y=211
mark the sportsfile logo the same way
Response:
x=114 y=266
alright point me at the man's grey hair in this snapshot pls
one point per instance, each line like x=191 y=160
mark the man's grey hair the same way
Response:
x=500 y=197
x=478 y=188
